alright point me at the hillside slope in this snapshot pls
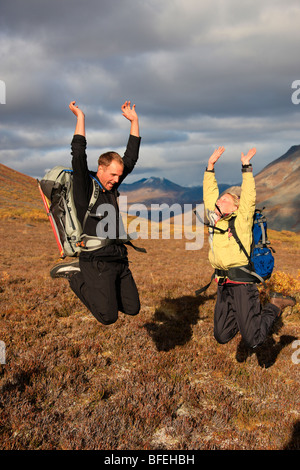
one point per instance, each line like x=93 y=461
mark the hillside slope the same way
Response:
x=19 y=195
x=278 y=189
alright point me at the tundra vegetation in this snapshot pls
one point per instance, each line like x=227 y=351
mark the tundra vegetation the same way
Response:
x=151 y=382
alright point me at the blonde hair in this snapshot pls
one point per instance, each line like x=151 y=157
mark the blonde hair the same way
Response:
x=235 y=198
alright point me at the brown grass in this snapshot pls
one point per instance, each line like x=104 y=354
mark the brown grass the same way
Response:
x=155 y=381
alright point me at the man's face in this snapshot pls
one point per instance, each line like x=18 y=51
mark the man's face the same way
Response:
x=110 y=175
x=226 y=205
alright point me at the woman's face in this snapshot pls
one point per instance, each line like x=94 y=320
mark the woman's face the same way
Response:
x=225 y=205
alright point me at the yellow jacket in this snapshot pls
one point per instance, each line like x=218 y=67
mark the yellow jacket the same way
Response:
x=224 y=251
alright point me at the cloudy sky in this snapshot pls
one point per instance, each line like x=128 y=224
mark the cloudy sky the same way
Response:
x=202 y=73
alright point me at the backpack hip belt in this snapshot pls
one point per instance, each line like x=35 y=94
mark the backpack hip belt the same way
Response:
x=90 y=243
x=238 y=274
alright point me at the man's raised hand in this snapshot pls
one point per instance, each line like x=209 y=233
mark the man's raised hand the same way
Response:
x=131 y=115
x=129 y=112
x=80 y=124
x=75 y=109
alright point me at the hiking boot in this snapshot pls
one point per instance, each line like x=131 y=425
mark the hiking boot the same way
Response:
x=282 y=301
x=65 y=270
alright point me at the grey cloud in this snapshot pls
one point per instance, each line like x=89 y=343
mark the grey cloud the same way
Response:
x=201 y=74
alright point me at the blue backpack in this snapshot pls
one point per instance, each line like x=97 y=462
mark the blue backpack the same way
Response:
x=261 y=259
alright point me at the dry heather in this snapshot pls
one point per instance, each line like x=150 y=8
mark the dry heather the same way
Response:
x=155 y=381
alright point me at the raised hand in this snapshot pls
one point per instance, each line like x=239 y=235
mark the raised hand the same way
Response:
x=129 y=112
x=75 y=109
x=80 y=124
x=246 y=158
x=215 y=157
x=131 y=115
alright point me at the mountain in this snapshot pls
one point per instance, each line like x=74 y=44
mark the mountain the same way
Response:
x=278 y=191
x=277 y=187
x=155 y=190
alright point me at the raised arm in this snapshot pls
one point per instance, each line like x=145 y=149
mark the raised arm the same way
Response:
x=131 y=115
x=80 y=124
x=248 y=196
x=210 y=185
x=214 y=158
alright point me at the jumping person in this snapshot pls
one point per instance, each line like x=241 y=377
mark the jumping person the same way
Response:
x=238 y=307
x=102 y=279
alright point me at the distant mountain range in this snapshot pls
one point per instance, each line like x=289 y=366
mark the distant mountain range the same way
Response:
x=155 y=190
x=277 y=187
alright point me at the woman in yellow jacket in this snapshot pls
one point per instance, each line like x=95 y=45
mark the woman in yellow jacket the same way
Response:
x=238 y=306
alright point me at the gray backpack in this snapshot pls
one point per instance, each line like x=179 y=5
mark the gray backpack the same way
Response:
x=56 y=189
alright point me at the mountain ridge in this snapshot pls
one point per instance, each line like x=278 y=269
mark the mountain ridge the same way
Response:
x=277 y=188
x=159 y=190
x=291 y=153
x=278 y=191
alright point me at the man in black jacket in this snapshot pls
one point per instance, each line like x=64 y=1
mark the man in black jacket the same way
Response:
x=102 y=279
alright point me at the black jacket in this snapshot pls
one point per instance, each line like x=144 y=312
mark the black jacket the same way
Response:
x=83 y=186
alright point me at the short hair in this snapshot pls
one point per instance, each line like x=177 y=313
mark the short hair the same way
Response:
x=106 y=158
x=235 y=198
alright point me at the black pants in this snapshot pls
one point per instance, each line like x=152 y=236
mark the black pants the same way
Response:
x=238 y=308
x=106 y=287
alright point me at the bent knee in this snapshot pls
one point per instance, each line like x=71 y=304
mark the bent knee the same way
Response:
x=105 y=319
x=223 y=337
x=131 y=308
x=251 y=343
x=132 y=312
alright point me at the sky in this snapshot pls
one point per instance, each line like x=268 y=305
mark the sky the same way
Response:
x=201 y=73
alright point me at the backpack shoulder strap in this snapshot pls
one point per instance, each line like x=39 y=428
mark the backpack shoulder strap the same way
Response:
x=94 y=197
x=231 y=226
x=208 y=224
